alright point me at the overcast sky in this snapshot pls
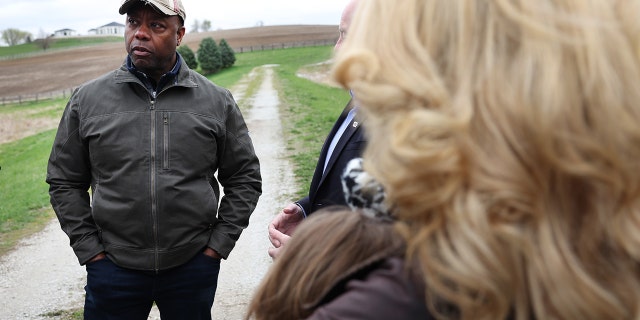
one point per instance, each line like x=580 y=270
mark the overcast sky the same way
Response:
x=37 y=16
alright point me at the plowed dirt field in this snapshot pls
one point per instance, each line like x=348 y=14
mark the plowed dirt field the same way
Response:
x=60 y=70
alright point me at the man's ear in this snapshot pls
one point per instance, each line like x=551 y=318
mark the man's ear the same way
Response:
x=181 y=32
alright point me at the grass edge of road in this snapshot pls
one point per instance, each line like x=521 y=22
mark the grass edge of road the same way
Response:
x=308 y=110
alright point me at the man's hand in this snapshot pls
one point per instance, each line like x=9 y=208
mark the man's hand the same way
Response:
x=212 y=253
x=282 y=226
x=97 y=257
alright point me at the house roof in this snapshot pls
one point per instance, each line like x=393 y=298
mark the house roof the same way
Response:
x=112 y=24
x=65 y=29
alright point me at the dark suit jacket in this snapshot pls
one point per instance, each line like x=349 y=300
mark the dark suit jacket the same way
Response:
x=326 y=190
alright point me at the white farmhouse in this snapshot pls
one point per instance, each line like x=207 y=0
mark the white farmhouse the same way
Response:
x=111 y=29
x=64 y=33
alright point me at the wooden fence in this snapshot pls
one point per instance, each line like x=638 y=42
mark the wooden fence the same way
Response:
x=310 y=43
x=36 y=96
x=67 y=92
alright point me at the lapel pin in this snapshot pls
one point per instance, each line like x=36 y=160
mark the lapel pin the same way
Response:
x=355 y=124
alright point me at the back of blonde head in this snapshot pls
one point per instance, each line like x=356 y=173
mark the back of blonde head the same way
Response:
x=507 y=133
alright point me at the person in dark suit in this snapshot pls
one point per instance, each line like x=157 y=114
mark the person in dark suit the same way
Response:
x=345 y=142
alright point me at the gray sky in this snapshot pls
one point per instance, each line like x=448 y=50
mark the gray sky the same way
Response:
x=37 y=16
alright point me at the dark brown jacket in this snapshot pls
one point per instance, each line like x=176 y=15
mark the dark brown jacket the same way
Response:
x=381 y=288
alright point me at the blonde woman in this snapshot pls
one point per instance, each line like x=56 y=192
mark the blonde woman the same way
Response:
x=508 y=140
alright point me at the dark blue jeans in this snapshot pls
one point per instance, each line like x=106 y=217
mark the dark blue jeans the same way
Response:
x=185 y=292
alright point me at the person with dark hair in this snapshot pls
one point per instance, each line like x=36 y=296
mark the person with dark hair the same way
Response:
x=152 y=140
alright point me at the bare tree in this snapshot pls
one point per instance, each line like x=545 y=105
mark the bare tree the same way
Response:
x=14 y=36
x=205 y=26
x=195 y=26
x=44 y=40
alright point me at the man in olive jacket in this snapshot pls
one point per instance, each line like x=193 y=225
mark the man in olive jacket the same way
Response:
x=152 y=140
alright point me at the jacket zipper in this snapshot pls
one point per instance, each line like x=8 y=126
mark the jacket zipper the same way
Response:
x=154 y=213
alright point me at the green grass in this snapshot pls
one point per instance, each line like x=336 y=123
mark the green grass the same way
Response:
x=312 y=110
x=45 y=108
x=309 y=110
x=23 y=192
x=65 y=314
x=24 y=200
x=22 y=164
x=61 y=43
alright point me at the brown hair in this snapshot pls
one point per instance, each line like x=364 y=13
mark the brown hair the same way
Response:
x=326 y=246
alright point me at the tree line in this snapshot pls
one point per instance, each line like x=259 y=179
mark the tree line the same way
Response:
x=211 y=56
x=12 y=36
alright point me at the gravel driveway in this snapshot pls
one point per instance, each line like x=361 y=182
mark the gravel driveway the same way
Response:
x=42 y=275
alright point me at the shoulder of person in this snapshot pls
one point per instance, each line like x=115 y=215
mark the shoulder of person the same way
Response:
x=386 y=289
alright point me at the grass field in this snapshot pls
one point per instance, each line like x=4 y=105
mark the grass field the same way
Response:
x=308 y=110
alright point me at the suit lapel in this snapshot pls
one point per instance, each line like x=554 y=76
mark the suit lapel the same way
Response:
x=336 y=126
x=318 y=173
x=353 y=126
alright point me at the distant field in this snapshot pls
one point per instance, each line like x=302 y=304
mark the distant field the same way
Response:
x=34 y=47
x=59 y=70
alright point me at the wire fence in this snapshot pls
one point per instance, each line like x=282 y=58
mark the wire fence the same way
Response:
x=20 y=99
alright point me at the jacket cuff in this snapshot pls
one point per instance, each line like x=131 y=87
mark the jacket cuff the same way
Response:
x=305 y=205
x=87 y=249
x=221 y=244
x=304 y=213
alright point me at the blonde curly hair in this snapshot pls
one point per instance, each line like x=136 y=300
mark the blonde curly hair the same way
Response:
x=507 y=134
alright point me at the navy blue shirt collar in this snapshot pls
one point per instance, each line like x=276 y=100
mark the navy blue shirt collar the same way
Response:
x=164 y=80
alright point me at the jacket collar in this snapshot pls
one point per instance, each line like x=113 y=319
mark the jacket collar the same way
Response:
x=150 y=83
x=181 y=75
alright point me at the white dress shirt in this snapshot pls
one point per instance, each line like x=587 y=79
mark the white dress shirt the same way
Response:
x=338 y=135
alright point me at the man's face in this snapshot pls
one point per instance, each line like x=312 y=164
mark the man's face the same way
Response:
x=151 y=39
x=343 y=35
x=345 y=22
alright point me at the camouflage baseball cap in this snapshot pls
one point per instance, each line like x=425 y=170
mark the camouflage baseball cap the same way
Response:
x=168 y=7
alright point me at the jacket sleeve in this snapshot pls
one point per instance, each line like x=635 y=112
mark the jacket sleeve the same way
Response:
x=239 y=176
x=305 y=204
x=69 y=178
